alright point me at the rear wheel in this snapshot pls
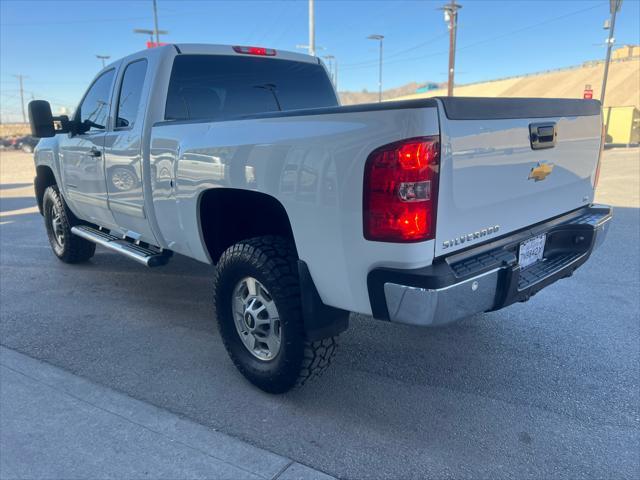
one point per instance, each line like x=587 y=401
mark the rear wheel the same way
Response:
x=58 y=220
x=257 y=303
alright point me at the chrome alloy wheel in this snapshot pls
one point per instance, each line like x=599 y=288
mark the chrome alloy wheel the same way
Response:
x=256 y=319
x=56 y=225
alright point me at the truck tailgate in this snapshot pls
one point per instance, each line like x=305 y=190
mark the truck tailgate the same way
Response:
x=510 y=163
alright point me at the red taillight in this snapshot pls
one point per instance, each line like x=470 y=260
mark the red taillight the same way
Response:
x=401 y=191
x=267 y=52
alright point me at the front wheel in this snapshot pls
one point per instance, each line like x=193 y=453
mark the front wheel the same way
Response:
x=58 y=220
x=257 y=303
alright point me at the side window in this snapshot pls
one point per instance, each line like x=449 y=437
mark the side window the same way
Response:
x=130 y=93
x=94 y=109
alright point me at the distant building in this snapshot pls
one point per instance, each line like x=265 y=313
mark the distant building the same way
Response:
x=626 y=51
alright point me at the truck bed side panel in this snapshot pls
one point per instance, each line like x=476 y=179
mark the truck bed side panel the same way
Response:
x=313 y=164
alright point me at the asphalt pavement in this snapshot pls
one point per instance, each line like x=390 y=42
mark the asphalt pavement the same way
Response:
x=549 y=388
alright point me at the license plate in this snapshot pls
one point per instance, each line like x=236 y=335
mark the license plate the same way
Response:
x=531 y=251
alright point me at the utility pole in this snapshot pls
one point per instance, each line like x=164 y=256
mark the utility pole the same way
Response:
x=330 y=63
x=21 y=77
x=155 y=21
x=614 y=6
x=103 y=58
x=451 y=16
x=378 y=37
x=335 y=73
x=312 y=29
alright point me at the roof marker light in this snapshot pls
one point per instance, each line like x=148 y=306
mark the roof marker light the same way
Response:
x=265 y=52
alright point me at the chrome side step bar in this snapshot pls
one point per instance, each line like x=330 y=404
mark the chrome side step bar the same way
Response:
x=143 y=255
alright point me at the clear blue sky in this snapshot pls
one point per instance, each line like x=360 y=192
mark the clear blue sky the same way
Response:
x=54 y=42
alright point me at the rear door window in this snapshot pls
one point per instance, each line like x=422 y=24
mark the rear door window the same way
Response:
x=130 y=94
x=218 y=87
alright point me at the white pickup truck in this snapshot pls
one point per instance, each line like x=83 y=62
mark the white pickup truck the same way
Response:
x=418 y=212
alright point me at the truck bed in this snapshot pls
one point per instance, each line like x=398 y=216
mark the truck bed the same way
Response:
x=313 y=161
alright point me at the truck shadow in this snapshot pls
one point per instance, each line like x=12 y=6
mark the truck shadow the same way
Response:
x=13 y=186
x=9 y=204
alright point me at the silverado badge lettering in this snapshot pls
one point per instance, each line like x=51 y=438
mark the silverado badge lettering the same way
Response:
x=470 y=236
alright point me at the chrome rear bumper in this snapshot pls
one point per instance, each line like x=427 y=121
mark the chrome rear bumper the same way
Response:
x=421 y=306
x=488 y=277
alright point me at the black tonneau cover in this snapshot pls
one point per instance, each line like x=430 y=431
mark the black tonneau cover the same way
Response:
x=455 y=108
x=483 y=108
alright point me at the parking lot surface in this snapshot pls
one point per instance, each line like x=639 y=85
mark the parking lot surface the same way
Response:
x=549 y=388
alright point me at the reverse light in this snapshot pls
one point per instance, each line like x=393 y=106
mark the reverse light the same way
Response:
x=401 y=190
x=266 y=52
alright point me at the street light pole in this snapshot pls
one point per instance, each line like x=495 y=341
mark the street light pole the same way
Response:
x=312 y=29
x=155 y=21
x=151 y=33
x=614 y=6
x=378 y=37
x=451 y=16
x=103 y=58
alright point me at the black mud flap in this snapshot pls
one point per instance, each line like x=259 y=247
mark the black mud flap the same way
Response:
x=320 y=320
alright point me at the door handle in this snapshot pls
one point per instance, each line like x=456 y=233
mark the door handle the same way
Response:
x=95 y=152
x=542 y=135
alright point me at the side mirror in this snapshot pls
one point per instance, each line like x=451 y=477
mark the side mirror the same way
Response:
x=41 y=119
x=42 y=122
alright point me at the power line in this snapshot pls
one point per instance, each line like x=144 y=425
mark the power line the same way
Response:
x=94 y=20
x=480 y=42
x=71 y=22
x=535 y=25
x=398 y=52
x=264 y=28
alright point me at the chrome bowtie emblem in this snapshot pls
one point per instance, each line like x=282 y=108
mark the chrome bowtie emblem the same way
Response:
x=541 y=171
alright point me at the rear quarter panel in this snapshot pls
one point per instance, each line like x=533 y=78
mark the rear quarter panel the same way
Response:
x=312 y=164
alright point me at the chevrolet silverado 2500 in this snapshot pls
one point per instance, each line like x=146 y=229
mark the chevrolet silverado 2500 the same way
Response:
x=419 y=212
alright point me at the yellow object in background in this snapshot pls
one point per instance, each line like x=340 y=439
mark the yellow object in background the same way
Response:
x=625 y=52
x=622 y=125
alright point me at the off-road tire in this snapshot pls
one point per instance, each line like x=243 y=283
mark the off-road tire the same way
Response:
x=73 y=249
x=272 y=261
